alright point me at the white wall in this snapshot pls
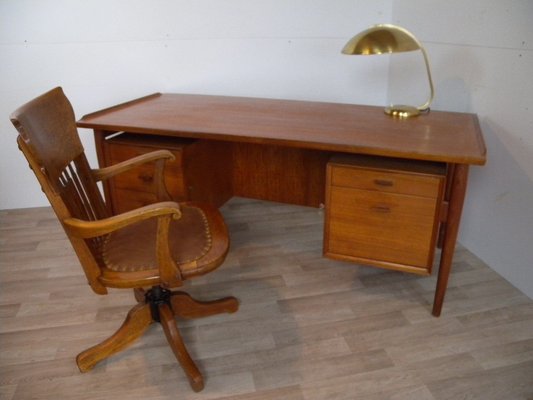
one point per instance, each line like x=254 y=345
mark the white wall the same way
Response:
x=481 y=53
x=107 y=51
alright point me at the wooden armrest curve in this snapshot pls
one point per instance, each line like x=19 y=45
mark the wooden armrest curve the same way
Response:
x=87 y=229
x=108 y=172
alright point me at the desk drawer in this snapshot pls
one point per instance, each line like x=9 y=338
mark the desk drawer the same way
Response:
x=201 y=170
x=126 y=200
x=141 y=178
x=383 y=212
x=387 y=227
x=385 y=181
x=136 y=187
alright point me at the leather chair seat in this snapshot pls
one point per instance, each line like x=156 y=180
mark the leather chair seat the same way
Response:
x=133 y=248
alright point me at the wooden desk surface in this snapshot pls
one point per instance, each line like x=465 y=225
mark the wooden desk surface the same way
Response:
x=437 y=136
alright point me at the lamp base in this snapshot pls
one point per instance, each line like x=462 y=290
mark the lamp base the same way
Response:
x=401 y=111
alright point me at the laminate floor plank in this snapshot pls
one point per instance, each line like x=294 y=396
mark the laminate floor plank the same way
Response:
x=308 y=328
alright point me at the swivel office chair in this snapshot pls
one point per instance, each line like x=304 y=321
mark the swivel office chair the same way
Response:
x=157 y=246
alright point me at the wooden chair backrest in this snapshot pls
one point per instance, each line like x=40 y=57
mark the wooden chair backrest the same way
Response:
x=49 y=140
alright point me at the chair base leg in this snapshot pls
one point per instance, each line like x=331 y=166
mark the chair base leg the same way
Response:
x=175 y=341
x=139 y=318
x=185 y=306
x=139 y=294
x=159 y=305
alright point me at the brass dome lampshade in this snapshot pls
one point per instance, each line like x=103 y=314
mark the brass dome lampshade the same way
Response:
x=383 y=39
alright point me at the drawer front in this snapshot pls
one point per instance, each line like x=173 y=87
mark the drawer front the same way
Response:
x=385 y=181
x=380 y=226
x=126 y=200
x=141 y=178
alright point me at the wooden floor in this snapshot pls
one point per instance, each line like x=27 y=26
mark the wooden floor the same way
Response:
x=307 y=328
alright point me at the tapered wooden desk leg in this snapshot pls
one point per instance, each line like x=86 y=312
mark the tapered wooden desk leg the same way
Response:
x=447 y=194
x=137 y=321
x=455 y=208
x=176 y=343
x=183 y=305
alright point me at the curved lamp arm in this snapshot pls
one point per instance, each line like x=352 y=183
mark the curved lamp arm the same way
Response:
x=425 y=106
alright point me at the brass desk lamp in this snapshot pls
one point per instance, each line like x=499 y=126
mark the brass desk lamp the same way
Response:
x=385 y=38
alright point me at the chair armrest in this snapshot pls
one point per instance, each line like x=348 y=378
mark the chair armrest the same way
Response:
x=108 y=172
x=88 y=229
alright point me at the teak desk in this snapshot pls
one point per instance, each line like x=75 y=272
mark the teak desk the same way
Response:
x=280 y=150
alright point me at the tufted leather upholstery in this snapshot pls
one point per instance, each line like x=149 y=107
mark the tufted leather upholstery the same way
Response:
x=132 y=248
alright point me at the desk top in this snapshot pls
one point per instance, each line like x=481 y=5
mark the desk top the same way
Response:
x=437 y=136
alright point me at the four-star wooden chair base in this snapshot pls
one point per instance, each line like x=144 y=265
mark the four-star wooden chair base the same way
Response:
x=159 y=305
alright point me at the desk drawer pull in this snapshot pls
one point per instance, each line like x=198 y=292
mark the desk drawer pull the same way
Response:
x=381 y=208
x=383 y=182
x=146 y=178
